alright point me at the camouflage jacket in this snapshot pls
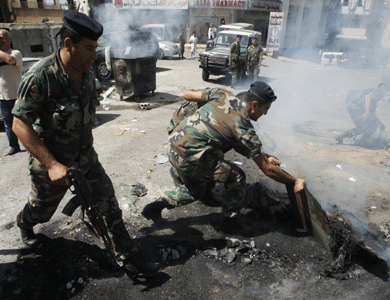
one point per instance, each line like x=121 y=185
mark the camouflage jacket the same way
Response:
x=189 y=107
x=253 y=55
x=215 y=128
x=235 y=50
x=59 y=112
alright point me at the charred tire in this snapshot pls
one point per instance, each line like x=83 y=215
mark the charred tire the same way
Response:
x=160 y=54
x=103 y=72
x=205 y=74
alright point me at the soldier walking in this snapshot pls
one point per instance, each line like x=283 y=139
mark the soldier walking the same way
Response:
x=54 y=114
x=234 y=60
x=254 y=55
x=182 y=42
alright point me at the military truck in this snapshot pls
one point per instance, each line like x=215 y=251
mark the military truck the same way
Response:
x=216 y=61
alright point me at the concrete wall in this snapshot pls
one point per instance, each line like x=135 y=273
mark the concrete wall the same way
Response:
x=34 y=40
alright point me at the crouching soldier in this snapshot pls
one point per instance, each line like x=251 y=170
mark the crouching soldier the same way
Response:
x=196 y=149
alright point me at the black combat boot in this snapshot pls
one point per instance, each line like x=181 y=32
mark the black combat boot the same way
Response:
x=152 y=211
x=209 y=200
x=342 y=136
x=175 y=176
x=232 y=226
x=140 y=270
x=29 y=238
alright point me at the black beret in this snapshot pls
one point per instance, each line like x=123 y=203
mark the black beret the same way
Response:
x=239 y=35
x=263 y=90
x=254 y=38
x=82 y=24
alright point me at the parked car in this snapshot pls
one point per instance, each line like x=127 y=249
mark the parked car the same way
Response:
x=28 y=62
x=129 y=44
x=363 y=59
x=166 y=31
x=215 y=61
x=166 y=48
x=232 y=26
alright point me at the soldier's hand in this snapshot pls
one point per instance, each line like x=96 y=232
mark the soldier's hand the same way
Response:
x=274 y=160
x=299 y=186
x=58 y=174
x=230 y=63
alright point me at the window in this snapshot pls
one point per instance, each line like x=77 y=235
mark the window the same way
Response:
x=36 y=48
x=23 y=3
x=40 y=3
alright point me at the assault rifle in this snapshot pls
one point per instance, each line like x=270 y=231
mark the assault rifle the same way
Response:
x=97 y=225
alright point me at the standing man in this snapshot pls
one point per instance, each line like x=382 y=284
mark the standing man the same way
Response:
x=234 y=60
x=193 y=42
x=54 y=115
x=212 y=30
x=254 y=55
x=196 y=149
x=182 y=41
x=11 y=63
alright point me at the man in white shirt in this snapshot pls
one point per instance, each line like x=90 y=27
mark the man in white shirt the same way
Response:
x=10 y=76
x=212 y=31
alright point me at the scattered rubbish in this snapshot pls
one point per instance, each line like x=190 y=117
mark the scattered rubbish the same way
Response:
x=339 y=167
x=139 y=190
x=236 y=250
x=143 y=131
x=134 y=120
x=373 y=207
x=106 y=107
x=161 y=159
x=387 y=164
x=238 y=163
x=169 y=254
x=267 y=244
x=68 y=285
x=119 y=132
x=108 y=92
x=352 y=179
x=144 y=106
x=149 y=171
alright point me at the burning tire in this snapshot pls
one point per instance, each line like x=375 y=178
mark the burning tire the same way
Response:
x=103 y=72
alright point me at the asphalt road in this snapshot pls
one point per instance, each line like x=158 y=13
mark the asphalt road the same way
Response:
x=299 y=129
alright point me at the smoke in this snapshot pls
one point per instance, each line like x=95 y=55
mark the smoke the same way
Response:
x=311 y=111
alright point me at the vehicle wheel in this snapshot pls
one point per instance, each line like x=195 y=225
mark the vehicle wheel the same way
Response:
x=160 y=54
x=205 y=75
x=103 y=72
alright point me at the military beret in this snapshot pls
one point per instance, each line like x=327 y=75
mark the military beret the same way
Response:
x=254 y=38
x=263 y=91
x=239 y=35
x=82 y=25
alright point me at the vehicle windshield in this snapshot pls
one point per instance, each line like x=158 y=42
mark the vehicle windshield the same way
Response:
x=227 y=39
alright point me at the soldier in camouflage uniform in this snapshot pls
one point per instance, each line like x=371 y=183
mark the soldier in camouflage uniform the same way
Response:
x=253 y=60
x=234 y=60
x=54 y=115
x=361 y=106
x=196 y=149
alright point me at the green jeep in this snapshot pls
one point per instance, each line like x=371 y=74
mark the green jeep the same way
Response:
x=216 y=60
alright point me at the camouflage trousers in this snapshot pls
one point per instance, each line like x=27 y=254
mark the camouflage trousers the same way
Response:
x=236 y=72
x=367 y=127
x=198 y=179
x=253 y=72
x=45 y=197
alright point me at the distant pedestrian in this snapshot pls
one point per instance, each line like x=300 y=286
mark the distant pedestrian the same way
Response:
x=234 y=60
x=182 y=42
x=212 y=31
x=253 y=60
x=361 y=106
x=11 y=63
x=193 y=41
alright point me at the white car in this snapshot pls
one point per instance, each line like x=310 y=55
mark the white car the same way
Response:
x=166 y=48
